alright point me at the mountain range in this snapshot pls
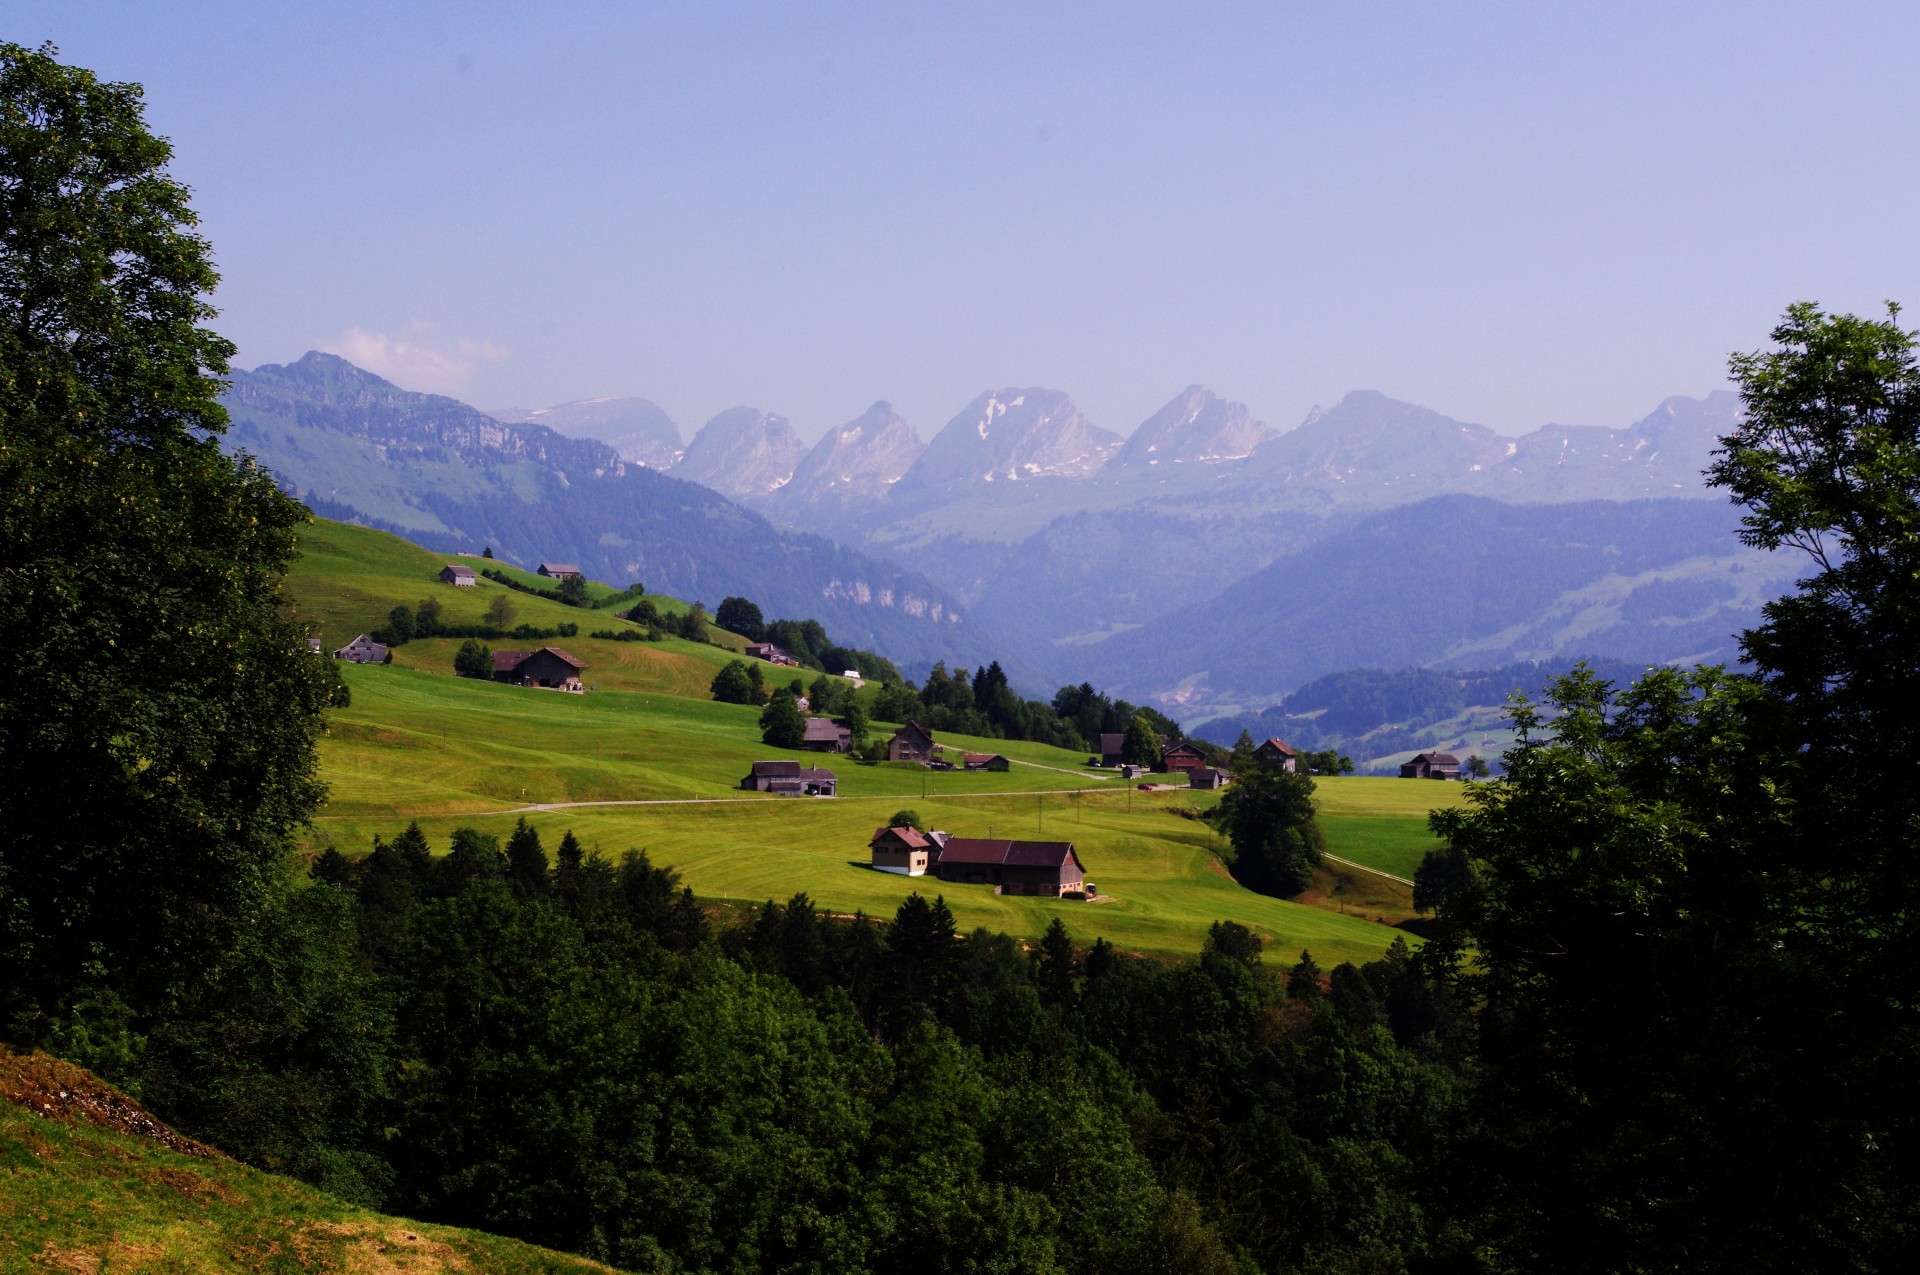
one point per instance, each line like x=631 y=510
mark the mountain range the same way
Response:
x=448 y=476
x=1207 y=563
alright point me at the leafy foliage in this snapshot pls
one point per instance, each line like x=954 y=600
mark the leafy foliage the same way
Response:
x=155 y=668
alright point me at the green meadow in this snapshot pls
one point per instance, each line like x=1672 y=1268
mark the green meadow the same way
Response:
x=649 y=762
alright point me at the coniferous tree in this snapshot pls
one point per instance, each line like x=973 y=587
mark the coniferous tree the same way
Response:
x=1054 y=967
x=527 y=868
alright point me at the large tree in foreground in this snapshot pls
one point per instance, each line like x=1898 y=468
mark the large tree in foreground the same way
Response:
x=1687 y=912
x=158 y=719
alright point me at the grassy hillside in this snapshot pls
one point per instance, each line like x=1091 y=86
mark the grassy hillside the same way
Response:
x=418 y=743
x=90 y=1182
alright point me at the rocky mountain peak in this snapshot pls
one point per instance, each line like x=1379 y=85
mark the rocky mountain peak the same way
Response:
x=742 y=452
x=862 y=458
x=1196 y=426
x=1011 y=435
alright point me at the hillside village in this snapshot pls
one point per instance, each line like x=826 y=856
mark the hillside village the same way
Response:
x=623 y=641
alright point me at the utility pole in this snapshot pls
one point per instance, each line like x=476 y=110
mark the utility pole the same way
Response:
x=1040 y=804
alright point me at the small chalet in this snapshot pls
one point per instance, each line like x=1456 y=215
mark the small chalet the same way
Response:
x=1207 y=777
x=771 y=654
x=549 y=667
x=791 y=779
x=1047 y=868
x=912 y=742
x=313 y=644
x=1276 y=755
x=985 y=761
x=906 y=851
x=362 y=650
x=1182 y=757
x=458 y=576
x=559 y=570
x=1112 y=748
x=1431 y=766
x=824 y=735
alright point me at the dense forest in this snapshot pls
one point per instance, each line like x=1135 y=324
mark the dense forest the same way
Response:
x=1666 y=1018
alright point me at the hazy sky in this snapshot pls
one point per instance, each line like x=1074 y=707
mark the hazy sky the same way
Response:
x=1514 y=214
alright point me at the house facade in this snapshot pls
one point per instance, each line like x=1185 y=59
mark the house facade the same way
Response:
x=1275 y=754
x=1046 y=868
x=1181 y=758
x=362 y=650
x=906 y=851
x=458 y=576
x=549 y=667
x=558 y=570
x=1431 y=766
x=912 y=742
x=824 y=735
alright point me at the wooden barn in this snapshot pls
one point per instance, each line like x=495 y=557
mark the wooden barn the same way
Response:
x=824 y=735
x=558 y=570
x=1112 y=748
x=1208 y=778
x=459 y=576
x=1047 y=868
x=985 y=761
x=1431 y=766
x=912 y=742
x=362 y=650
x=549 y=667
x=771 y=654
x=790 y=778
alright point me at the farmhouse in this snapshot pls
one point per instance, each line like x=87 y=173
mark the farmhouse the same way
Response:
x=558 y=570
x=1431 y=766
x=1112 y=747
x=770 y=653
x=458 y=576
x=1276 y=755
x=1180 y=757
x=1048 y=868
x=548 y=667
x=912 y=742
x=985 y=761
x=906 y=851
x=825 y=735
x=1207 y=777
x=790 y=778
x=362 y=650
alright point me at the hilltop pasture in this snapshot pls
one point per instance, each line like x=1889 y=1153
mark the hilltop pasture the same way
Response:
x=649 y=761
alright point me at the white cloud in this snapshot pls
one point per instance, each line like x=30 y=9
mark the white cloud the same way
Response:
x=420 y=359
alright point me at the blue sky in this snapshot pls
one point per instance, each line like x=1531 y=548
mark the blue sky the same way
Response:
x=1515 y=214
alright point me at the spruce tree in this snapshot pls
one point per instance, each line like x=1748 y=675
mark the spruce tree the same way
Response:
x=527 y=861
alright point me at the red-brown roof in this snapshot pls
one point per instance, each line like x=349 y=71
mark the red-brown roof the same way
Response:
x=1182 y=747
x=912 y=838
x=507 y=661
x=1280 y=745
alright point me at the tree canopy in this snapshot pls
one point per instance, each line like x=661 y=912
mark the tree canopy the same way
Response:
x=159 y=719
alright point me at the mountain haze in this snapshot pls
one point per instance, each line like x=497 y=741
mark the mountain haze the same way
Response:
x=636 y=428
x=742 y=452
x=1011 y=435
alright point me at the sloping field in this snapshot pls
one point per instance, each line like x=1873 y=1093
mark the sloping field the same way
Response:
x=649 y=761
x=89 y=1182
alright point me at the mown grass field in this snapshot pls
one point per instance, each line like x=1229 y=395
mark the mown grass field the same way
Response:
x=76 y=1197
x=418 y=743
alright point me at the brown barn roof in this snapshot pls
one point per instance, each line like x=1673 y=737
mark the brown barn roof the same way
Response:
x=1026 y=854
x=912 y=838
x=559 y=568
x=1110 y=743
x=824 y=728
x=1281 y=746
x=776 y=770
x=507 y=661
x=1439 y=759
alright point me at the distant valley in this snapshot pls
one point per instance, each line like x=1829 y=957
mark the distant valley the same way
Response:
x=1208 y=562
